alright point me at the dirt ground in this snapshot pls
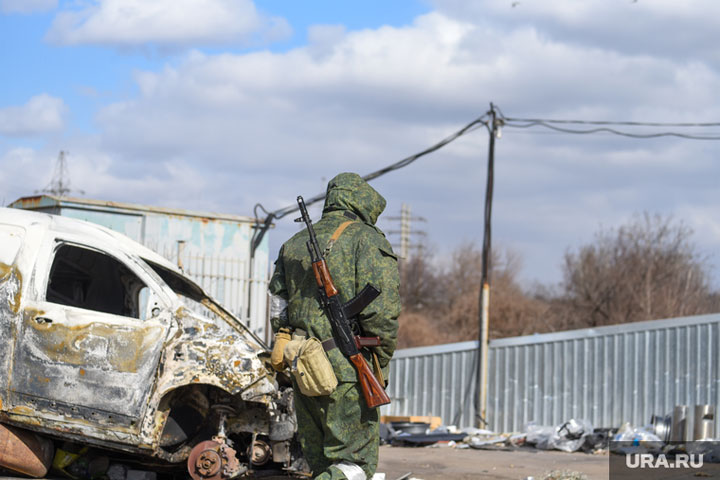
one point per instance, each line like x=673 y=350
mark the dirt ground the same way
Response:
x=441 y=463
x=448 y=463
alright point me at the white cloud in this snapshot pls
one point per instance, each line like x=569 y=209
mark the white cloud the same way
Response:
x=93 y=173
x=221 y=132
x=27 y=6
x=167 y=23
x=267 y=126
x=661 y=28
x=41 y=114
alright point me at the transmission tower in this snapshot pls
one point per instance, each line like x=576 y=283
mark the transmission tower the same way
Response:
x=406 y=231
x=60 y=183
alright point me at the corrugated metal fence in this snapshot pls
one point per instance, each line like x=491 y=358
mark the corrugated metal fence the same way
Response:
x=607 y=375
x=231 y=280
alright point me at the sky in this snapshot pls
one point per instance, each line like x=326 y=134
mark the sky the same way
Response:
x=217 y=105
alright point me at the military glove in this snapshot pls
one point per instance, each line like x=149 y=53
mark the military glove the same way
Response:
x=277 y=357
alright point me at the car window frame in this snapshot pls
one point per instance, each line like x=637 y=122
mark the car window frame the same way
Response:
x=46 y=257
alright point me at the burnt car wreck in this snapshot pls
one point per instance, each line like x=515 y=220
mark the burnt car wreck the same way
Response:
x=105 y=343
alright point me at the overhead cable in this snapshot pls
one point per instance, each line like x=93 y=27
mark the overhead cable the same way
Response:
x=552 y=125
x=607 y=122
x=277 y=214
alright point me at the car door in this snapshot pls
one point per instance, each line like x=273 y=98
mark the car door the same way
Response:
x=88 y=347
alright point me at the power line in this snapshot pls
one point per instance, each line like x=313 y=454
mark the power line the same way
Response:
x=503 y=121
x=395 y=166
x=261 y=229
x=606 y=122
x=530 y=122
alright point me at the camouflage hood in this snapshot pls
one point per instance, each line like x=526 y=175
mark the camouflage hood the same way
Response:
x=348 y=191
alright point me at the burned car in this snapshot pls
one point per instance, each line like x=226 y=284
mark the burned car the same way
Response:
x=106 y=343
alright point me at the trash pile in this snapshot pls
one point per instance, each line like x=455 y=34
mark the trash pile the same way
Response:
x=571 y=436
x=663 y=434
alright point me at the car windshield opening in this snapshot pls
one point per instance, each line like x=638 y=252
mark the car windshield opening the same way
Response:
x=190 y=294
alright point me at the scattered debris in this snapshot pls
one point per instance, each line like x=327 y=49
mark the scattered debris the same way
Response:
x=564 y=475
x=568 y=437
x=571 y=436
x=628 y=433
x=423 y=437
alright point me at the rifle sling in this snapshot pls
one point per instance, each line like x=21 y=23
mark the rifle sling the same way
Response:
x=335 y=236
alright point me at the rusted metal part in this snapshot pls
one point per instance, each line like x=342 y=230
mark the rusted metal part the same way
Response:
x=49 y=201
x=201 y=351
x=211 y=353
x=281 y=452
x=253 y=419
x=24 y=452
x=211 y=460
x=259 y=453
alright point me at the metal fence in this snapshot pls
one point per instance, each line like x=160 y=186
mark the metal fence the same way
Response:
x=438 y=381
x=607 y=375
x=229 y=280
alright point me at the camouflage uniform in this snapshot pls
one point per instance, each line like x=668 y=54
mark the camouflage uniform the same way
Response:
x=339 y=427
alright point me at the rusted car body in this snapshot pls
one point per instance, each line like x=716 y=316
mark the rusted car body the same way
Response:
x=105 y=342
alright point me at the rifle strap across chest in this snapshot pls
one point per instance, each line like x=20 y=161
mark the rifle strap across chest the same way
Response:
x=336 y=234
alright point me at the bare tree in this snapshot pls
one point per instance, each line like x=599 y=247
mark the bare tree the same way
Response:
x=647 y=269
x=418 y=285
x=441 y=307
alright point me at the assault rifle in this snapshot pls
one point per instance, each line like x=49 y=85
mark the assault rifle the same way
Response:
x=337 y=313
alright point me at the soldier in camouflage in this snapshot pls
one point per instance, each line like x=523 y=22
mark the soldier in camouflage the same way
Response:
x=339 y=434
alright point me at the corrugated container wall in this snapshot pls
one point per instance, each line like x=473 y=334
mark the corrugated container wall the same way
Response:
x=607 y=375
x=213 y=249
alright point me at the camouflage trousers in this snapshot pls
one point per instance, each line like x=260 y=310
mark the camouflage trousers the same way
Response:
x=338 y=427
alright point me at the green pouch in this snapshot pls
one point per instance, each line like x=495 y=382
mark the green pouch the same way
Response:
x=310 y=367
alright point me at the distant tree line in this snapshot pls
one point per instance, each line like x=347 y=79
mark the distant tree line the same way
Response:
x=646 y=270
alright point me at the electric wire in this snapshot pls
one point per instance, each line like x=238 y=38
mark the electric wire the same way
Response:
x=605 y=127
x=608 y=122
x=262 y=227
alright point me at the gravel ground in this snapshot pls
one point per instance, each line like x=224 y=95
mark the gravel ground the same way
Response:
x=443 y=462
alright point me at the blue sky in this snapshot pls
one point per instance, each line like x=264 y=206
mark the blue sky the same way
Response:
x=89 y=76
x=221 y=104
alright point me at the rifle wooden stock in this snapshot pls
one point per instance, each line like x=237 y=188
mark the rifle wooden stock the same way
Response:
x=373 y=392
x=323 y=278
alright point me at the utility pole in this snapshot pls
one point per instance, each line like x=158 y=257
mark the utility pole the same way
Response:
x=493 y=127
x=60 y=183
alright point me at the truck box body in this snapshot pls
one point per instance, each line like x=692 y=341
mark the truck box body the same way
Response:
x=211 y=248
